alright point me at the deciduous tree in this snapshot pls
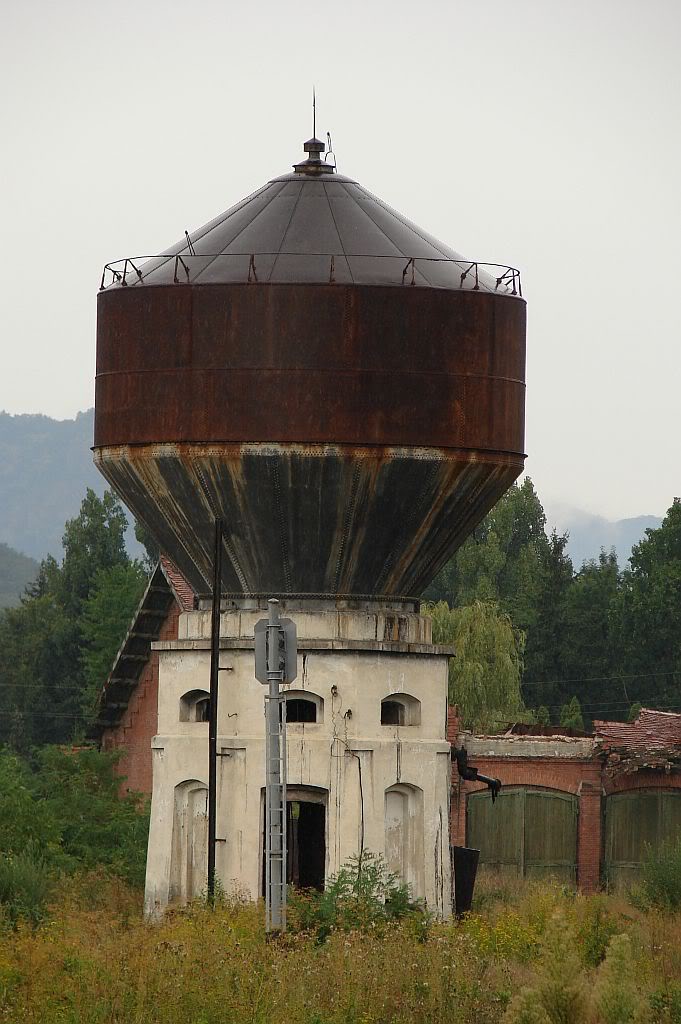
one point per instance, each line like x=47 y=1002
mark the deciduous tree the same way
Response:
x=484 y=675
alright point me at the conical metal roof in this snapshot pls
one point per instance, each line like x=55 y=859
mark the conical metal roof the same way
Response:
x=316 y=226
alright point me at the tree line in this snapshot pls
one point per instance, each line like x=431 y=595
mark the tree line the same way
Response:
x=536 y=639
x=57 y=646
x=558 y=645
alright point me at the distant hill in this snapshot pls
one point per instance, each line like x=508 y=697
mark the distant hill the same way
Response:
x=589 y=533
x=45 y=468
x=16 y=572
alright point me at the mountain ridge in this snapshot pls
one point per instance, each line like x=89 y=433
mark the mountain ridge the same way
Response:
x=46 y=467
x=16 y=572
x=589 y=533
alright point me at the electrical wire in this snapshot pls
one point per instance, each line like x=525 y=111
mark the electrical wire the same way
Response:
x=38 y=714
x=599 y=679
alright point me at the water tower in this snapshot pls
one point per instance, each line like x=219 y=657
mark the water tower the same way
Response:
x=347 y=394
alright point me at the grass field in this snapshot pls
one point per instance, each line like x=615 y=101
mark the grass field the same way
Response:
x=94 y=960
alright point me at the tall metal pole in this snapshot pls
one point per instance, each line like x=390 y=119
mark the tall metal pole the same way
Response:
x=275 y=779
x=213 y=717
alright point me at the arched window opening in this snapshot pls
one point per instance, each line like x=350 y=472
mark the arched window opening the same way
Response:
x=300 y=710
x=392 y=713
x=202 y=710
x=400 y=709
x=195 y=706
x=303 y=707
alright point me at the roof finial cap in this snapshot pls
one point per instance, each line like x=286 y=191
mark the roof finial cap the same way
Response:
x=314 y=146
x=314 y=163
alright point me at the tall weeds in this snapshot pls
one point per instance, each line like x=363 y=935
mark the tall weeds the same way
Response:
x=26 y=883
x=523 y=960
x=662 y=875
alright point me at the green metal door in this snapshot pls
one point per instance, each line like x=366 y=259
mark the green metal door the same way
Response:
x=634 y=821
x=529 y=833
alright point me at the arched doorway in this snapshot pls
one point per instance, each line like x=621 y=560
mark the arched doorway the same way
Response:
x=189 y=853
x=404 y=835
x=526 y=832
x=635 y=820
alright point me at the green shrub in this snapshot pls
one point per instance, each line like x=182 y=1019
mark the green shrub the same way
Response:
x=362 y=895
x=665 y=1005
x=26 y=823
x=661 y=882
x=526 y=1008
x=99 y=962
x=99 y=827
x=509 y=937
x=64 y=812
x=495 y=888
x=25 y=887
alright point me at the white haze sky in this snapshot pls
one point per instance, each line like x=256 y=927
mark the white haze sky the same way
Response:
x=542 y=133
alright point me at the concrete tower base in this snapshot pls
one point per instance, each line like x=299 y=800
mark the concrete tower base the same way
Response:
x=368 y=762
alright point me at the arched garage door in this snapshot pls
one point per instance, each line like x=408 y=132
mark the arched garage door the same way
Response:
x=633 y=821
x=530 y=833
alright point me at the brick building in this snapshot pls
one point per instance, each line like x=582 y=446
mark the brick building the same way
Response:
x=579 y=807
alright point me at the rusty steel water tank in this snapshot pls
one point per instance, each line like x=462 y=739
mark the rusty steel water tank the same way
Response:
x=345 y=391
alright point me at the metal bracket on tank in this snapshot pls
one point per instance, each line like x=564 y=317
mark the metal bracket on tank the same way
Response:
x=411 y=264
x=178 y=260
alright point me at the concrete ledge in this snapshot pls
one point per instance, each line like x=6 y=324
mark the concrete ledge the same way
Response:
x=417 y=746
x=523 y=747
x=248 y=644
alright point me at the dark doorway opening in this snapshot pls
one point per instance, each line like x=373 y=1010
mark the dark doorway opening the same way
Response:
x=305 y=841
x=306 y=838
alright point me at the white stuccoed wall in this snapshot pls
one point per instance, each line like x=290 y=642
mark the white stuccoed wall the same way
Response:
x=345 y=659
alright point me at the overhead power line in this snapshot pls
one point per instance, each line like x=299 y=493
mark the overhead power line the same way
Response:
x=600 y=679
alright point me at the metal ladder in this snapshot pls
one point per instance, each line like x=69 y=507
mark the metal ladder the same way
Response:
x=275 y=811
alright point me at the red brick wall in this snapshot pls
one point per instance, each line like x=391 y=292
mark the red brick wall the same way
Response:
x=581 y=777
x=642 y=779
x=139 y=721
x=589 y=833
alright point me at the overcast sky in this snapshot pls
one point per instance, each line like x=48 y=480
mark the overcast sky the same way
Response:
x=542 y=133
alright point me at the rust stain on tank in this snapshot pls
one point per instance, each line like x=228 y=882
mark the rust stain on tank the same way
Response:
x=365 y=541
x=403 y=372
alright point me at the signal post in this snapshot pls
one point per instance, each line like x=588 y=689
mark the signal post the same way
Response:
x=275 y=663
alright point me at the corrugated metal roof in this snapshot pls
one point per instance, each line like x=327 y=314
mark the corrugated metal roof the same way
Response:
x=166 y=587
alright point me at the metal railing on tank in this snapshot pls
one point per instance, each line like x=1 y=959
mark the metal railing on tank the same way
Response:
x=312 y=268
